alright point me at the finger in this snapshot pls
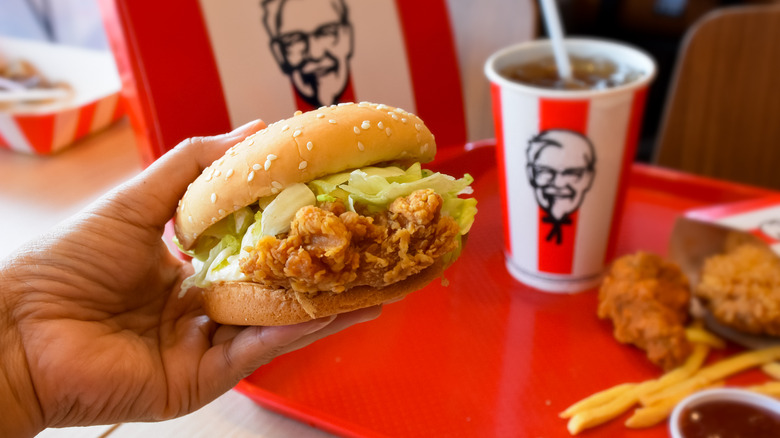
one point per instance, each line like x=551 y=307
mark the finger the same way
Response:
x=237 y=357
x=341 y=322
x=157 y=190
x=253 y=347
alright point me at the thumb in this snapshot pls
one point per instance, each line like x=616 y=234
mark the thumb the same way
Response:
x=157 y=190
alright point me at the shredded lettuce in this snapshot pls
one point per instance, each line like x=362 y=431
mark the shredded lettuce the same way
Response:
x=278 y=215
x=216 y=259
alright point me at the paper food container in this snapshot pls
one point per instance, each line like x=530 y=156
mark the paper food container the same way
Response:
x=702 y=233
x=92 y=103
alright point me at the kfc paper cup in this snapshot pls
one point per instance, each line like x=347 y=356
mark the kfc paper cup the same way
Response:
x=563 y=159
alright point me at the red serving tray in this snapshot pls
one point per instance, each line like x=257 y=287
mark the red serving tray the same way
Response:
x=485 y=356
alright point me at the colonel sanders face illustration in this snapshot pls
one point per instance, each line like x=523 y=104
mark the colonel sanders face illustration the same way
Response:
x=311 y=41
x=561 y=168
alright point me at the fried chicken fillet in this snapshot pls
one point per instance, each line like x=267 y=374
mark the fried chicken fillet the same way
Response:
x=331 y=249
x=647 y=299
x=741 y=288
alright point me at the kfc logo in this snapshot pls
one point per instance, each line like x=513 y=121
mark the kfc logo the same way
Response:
x=561 y=168
x=312 y=41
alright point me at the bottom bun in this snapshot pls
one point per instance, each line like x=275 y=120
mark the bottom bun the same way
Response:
x=245 y=303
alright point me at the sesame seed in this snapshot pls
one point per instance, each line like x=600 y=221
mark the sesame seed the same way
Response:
x=331 y=121
x=190 y=219
x=297 y=133
x=274 y=190
x=221 y=212
x=251 y=176
x=271 y=157
x=256 y=166
x=213 y=220
x=267 y=164
x=380 y=125
x=381 y=106
x=394 y=116
x=417 y=126
x=356 y=129
x=303 y=165
x=366 y=124
x=229 y=173
x=276 y=184
x=320 y=116
x=424 y=147
x=309 y=145
x=298 y=113
x=213 y=198
x=361 y=147
x=218 y=173
x=403 y=119
x=249 y=142
x=388 y=131
x=285 y=127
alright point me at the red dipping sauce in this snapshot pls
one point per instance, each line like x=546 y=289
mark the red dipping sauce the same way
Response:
x=728 y=419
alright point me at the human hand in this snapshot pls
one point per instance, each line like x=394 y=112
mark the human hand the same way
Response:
x=95 y=330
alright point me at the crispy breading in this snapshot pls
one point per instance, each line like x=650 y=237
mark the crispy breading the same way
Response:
x=647 y=299
x=741 y=288
x=331 y=249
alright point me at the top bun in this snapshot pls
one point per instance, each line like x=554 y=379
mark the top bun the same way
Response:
x=299 y=149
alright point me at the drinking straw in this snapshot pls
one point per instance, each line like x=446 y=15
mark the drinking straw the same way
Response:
x=555 y=30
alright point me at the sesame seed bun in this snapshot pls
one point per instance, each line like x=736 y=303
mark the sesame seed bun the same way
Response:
x=299 y=149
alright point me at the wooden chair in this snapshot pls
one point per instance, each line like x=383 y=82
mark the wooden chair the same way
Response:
x=722 y=115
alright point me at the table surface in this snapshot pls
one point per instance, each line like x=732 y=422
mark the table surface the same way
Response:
x=38 y=192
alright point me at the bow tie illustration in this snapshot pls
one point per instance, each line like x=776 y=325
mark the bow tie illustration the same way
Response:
x=557 y=227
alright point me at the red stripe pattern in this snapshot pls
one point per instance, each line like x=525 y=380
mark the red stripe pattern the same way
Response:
x=435 y=72
x=558 y=258
x=495 y=90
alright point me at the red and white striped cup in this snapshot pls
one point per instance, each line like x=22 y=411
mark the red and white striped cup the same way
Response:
x=563 y=159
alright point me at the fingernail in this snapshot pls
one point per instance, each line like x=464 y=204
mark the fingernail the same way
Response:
x=320 y=323
x=248 y=124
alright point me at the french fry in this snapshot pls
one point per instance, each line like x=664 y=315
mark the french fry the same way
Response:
x=691 y=365
x=651 y=415
x=772 y=369
x=698 y=334
x=771 y=389
x=608 y=404
x=596 y=399
x=588 y=418
x=716 y=371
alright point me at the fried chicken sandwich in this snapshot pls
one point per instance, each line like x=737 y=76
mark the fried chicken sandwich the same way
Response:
x=322 y=213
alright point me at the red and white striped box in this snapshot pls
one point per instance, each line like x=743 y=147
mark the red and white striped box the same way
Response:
x=563 y=159
x=200 y=68
x=93 y=104
x=701 y=233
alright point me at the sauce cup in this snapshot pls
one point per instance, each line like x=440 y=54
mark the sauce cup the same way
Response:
x=733 y=395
